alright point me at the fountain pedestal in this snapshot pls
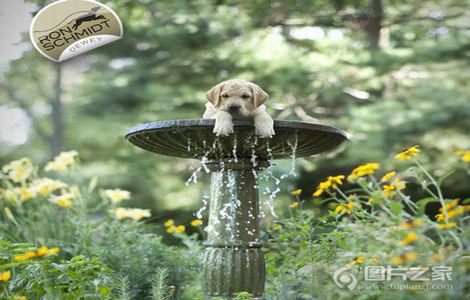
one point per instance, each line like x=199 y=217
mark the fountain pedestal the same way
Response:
x=233 y=260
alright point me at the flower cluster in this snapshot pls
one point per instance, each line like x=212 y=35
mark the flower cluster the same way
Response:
x=448 y=212
x=62 y=161
x=172 y=228
x=331 y=182
x=407 y=227
x=19 y=170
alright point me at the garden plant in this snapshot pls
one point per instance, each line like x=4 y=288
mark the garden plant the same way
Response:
x=62 y=238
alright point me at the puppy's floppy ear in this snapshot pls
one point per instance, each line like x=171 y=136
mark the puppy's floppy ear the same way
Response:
x=213 y=95
x=259 y=96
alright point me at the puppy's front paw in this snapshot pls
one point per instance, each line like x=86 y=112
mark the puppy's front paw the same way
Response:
x=264 y=128
x=223 y=128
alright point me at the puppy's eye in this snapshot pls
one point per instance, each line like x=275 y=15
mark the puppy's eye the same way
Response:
x=224 y=96
x=246 y=97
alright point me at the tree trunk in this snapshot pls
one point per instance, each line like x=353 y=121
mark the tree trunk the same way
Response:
x=374 y=24
x=57 y=137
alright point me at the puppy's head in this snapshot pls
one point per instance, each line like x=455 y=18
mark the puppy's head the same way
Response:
x=237 y=97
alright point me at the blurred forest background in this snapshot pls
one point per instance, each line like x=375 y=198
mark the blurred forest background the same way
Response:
x=392 y=73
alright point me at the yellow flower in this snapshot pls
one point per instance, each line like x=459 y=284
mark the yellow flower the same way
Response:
x=26 y=193
x=180 y=229
x=55 y=166
x=411 y=224
x=350 y=205
x=67 y=157
x=117 y=195
x=323 y=186
x=464 y=154
x=120 y=213
x=5 y=276
x=18 y=193
x=400 y=260
x=196 y=222
x=62 y=200
x=440 y=217
x=409 y=239
x=341 y=209
x=296 y=192
x=449 y=205
x=62 y=161
x=46 y=186
x=135 y=214
x=169 y=223
x=277 y=227
x=43 y=251
x=446 y=226
x=171 y=229
x=20 y=298
x=344 y=209
x=330 y=182
x=19 y=170
x=408 y=153
x=336 y=180
x=396 y=185
x=456 y=211
x=363 y=170
x=388 y=176
x=294 y=204
x=358 y=260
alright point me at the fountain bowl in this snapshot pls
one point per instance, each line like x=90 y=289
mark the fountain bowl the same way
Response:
x=195 y=139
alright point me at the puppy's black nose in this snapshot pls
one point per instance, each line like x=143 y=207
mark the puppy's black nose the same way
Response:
x=234 y=107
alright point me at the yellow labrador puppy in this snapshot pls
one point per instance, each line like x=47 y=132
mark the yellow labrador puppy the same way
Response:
x=238 y=99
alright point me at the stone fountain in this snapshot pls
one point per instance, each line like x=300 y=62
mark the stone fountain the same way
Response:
x=233 y=260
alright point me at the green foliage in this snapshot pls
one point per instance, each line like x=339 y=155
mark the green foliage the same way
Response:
x=100 y=254
x=48 y=278
x=369 y=226
x=160 y=289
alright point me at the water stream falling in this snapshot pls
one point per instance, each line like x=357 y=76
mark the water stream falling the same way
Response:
x=202 y=165
x=205 y=202
x=270 y=181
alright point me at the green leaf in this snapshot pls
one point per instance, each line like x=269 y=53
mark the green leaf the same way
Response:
x=422 y=203
x=103 y=290
x=444 y=177
x=396 y=207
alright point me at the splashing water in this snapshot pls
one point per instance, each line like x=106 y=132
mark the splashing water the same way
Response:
x=234 y=150
x=293 y=147
x=202 y=165
x=205 y=201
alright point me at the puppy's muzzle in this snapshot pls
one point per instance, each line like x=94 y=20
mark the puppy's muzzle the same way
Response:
x=234 y=108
